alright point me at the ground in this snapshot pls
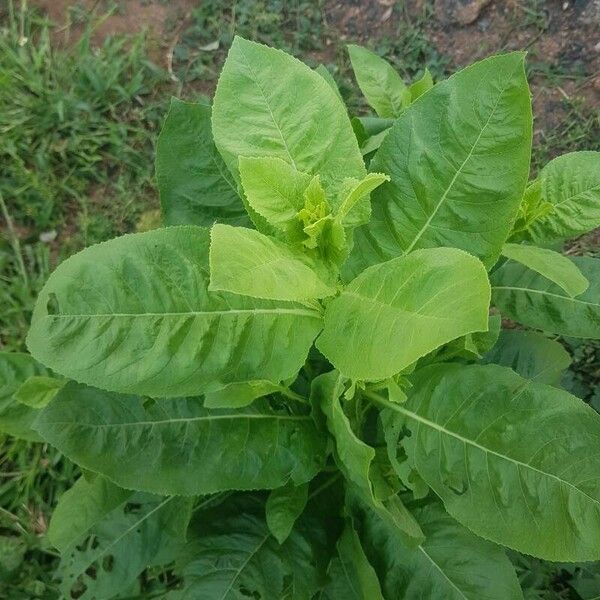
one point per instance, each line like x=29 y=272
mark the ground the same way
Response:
x=84 y=86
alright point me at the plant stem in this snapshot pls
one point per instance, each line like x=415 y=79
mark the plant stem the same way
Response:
x=14 y=242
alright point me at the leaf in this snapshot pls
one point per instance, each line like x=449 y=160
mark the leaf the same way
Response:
x=380 y=83
x=238 y=395
x=134 y=315
x=395 y=312
x=16 y=418
x=350 y=574
x=458 y=161
x=142 y=531
x=570 y=185
x=422 y=85
x=355 y=208
x=515 y=461
x=529 y=298
x=38 y=390
x=552 y=265
x=275 y=190
x=531 y=354
x=324 y=72
x=244 y=261
x=355 y=458
x=81 y=508
x=178 y=446
x=194 y=184
x=309 y=128
x=284 y=506
x=451 y=564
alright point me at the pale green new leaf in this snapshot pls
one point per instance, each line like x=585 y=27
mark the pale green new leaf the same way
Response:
x=238 y=395
x=194 y=184
x=515 y=461
x=179 y=447
x=255 y=115
x=38 y=390
x=284 y=506
x=134 y=315
x=355 y=208
x=380 y=83
x=350 y=575
x=451 y=564
x=533 y=300
x=244 y=261
x=552 y=265
x=458 y=159
x=15 y=417
x=570 y=185
x=396 y=312
x=422 y=85
x=531 y=355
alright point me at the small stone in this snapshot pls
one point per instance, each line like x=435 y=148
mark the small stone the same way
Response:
x=48 y=236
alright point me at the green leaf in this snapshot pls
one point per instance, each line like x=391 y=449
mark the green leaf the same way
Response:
x=355 y=208
x=134 y=315
x=396 y=312
x=552 y=265
x=275 y=190
x=458 y=161
x=422 y=85
x=570 y=186
x=309 y=128
x=533 y=300
x=380 y=83
x=515 y=461
x=284 y=506
x=38 y=390
x=350 y=574
x=16 y=418
x=244 y=261
x=324 y=72
x=106 y=561
x=194 y=184
x=451 y=564
x=355 y=458
x=531 y=354
x=81 y=508
x=238 y=395
x=179 y=447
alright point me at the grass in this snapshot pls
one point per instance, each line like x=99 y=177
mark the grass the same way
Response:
x=76 y=147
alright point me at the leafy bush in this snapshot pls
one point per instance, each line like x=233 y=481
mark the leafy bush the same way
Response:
x=312 y=397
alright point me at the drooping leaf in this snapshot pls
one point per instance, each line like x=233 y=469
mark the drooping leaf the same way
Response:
x=179 y=447
x=134 y=315
x=422 y=85
x=395 y=312
x=380 y=83
x=194 y=184
x=308 y=129
x=38 y=390
x=244 y=261
x=533 y=300
x=451 y=564
x=238 y=395
x=531 y=354
x=552 y=265
x=356 y=459
x=350 y=576
x=15 y=417
x=515 y=461
x=570 y=187
x=458 y=161
x=284 y=506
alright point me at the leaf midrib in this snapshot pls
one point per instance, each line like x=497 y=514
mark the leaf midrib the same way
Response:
x=442 y=572
x=544 y=293
x=194 y=313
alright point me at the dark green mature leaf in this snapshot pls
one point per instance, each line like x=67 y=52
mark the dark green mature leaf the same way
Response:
x=134 y=315
x=570 y=191
x=141 y=531
x=350 y=575
x=255 y=115
x=396 y=312
x=459 y=161
x=179 y=447
x=194 y=184
x=15 y=417
x=284 y=506
x=516 y=461
x=451 y=564
x=531 y=354
x=533 y=300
